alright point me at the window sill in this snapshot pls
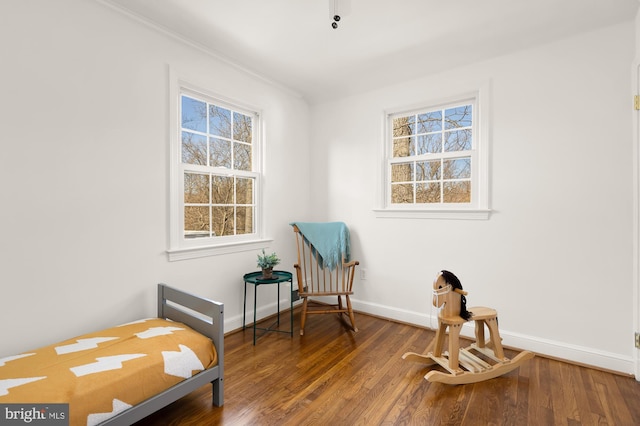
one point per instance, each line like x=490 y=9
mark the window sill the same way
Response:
x=466 y=214
x=197 y=252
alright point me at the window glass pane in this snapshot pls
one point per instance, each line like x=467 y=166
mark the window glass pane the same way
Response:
x=220 y=153
x=459 y=168
x=244 y=191
x=404 y=126
x=458 y=140
x=403 y=147
x=223 y=221
x=428 y=192
x=242 y=127
x=196 y=188
x=244 y=220
x=430 y=122
x=402 y=193
x=222 y=190
x=402 y=172
x=194 y=114
x=196 y=222
x=429 y=144
x=428 y=170
x=457 y=192
x=194 y=148
x=458 y=117
x=219 y=121
x=241 y=156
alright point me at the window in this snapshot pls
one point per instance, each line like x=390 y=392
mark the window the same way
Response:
x=435 y=162
x=215 y=176
x=431 y=160
x=219 y=182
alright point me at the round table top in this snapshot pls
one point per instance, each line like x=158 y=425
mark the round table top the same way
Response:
x=256 y=277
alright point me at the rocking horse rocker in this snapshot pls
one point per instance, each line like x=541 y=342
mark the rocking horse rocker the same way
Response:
x=463 y=365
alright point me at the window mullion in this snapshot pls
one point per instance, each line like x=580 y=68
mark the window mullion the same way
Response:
x=211 y=233
x=442 y=180
x=208 y=136
x=232 y=142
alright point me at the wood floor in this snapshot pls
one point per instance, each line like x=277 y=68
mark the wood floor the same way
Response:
x=331 y=376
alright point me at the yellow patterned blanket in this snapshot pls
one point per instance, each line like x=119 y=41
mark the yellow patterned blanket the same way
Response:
x=100 y=374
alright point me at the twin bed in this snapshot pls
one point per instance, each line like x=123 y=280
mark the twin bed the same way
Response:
x=120 y=375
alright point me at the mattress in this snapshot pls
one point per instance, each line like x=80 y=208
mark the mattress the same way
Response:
x=101 y=374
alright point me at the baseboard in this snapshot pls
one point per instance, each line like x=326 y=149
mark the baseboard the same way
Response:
x=576 y=354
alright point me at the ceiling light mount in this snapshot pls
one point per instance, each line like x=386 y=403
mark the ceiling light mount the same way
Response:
x=334 y=24
x=336 y=17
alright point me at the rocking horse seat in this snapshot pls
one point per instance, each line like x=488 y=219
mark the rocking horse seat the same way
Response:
x=481 y=312
x=463 y=365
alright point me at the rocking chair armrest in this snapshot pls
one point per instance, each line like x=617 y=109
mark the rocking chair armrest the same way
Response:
x=350 y=264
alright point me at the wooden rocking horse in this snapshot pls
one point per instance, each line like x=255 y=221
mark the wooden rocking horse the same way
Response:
x=487 y=360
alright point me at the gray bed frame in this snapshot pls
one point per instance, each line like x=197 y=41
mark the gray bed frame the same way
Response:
x=203 y=315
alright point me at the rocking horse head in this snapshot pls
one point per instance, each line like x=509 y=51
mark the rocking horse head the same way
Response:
x=447 y=291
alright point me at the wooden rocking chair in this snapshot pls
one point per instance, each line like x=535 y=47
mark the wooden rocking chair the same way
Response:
x=481 y=360
x=319 y=276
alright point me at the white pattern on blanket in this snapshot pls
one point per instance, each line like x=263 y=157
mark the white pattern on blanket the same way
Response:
x=182 y=363
x=82 y=344
x=104 y=363
x=7 y=384
x=97 y=418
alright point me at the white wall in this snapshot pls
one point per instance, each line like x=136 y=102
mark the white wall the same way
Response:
x=84 y=171
x=555 y=258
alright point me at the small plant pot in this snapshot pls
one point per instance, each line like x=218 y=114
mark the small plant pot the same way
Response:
x=267 y=273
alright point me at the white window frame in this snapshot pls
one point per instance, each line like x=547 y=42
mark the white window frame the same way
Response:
x=478 y=208
x=181 y=248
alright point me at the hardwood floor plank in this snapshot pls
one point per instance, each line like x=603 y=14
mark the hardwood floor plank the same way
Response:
x=591 y=394
x=540 y=410
x=579 y=387
x=614 y=404
x=627 y=389
x=571 y=386
x=336 y=377
x=522 y=390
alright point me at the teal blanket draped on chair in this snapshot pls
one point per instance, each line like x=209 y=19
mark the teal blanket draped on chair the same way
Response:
x=330 y=239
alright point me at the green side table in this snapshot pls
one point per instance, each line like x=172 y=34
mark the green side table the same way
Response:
x=256 y=279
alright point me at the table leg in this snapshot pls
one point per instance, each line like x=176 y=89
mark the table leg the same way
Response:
x=255 y=299
x=244 y=307
x=278 y=302
x=291 y=305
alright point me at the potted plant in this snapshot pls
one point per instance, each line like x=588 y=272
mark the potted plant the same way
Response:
x=267 y=262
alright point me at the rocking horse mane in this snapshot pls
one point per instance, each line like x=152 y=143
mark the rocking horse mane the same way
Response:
x=451 y=279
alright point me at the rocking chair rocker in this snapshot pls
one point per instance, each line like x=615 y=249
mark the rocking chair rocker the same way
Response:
x=487 y=360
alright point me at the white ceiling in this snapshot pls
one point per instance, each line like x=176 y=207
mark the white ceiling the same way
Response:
x=378 y=42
